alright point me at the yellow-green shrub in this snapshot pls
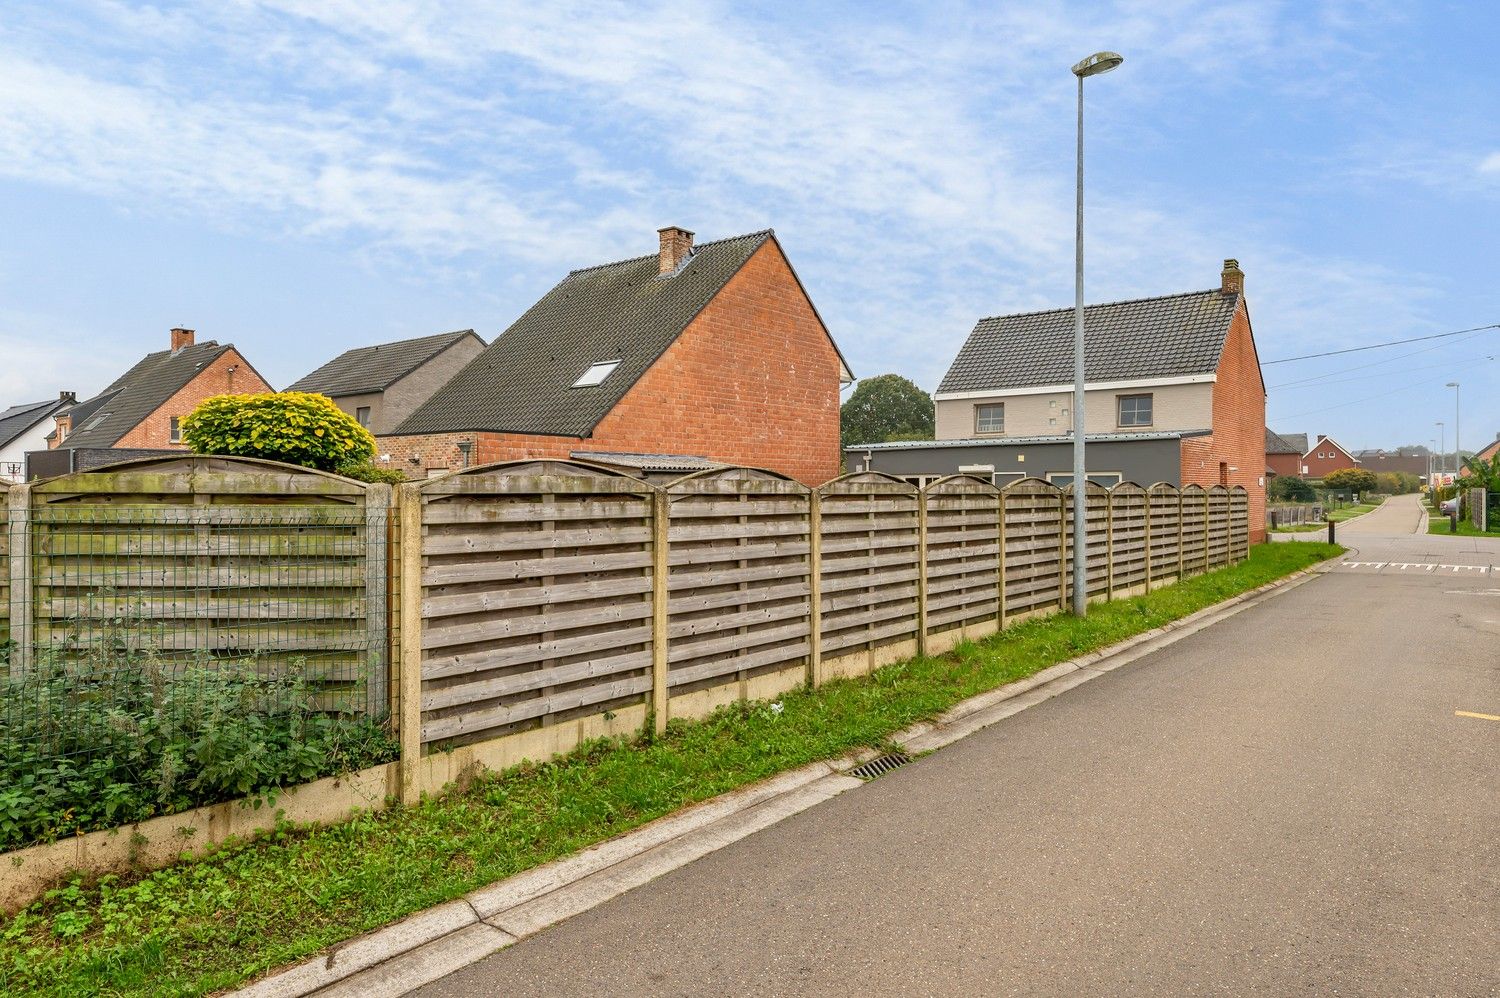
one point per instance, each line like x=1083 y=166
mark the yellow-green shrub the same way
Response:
x=295 y=427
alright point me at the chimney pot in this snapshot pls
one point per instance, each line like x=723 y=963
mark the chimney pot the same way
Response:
x=181 y=338
x=67 y=397
x=1232 y=280
x=676 y=246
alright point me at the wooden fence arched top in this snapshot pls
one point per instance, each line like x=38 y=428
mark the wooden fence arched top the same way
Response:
x=534 y=477
x=866 y=483
x=734 y=481
x=177 y=478
x=961 y=484
x=1031 y=486
x=1163 y=489
x=1129 y=488
x=1193 y=490
x=1092 y=488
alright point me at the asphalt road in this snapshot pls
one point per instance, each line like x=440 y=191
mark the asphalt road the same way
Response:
x=1283 y=804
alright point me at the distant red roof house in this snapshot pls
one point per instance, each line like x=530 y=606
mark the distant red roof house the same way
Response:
x=1327 y=455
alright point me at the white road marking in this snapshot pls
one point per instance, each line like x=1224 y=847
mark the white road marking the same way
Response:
x=1402 y=566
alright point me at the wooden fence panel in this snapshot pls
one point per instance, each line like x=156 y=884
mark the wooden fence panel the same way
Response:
x=963 y=553
x=1239 y=524
x=1194 y=529
x=535 y=597
x=1097 y=531
x=198 y=560
x=1034 y=566
x=1166 y=531
x=868 y=561
x=740 y=602
x=1127 y=532
x=1218 y=526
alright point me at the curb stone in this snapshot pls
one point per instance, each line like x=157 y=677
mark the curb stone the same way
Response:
x=431 y=944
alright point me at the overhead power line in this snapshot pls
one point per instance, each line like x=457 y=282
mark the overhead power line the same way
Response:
x=1377 y=346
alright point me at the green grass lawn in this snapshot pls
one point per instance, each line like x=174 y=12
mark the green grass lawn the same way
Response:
x=1438 y=524
x=1300 y=528
x=1350 y=512
x=213 y=923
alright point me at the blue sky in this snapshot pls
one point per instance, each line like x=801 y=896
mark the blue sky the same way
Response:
x=302 y=177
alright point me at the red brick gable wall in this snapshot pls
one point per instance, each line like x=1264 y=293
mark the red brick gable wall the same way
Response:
x=156 y=429
x=1334 y=458
x=753 y=380
x=1238 y=441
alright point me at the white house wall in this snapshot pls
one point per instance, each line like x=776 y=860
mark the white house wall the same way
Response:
x=1174 y=407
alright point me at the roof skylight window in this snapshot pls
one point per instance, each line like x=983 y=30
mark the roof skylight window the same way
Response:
x=596 y=374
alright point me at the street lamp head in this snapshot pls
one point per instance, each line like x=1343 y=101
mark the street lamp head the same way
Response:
x=1453 y=384
x=1099 y=62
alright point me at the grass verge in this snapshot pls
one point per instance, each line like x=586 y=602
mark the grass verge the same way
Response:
x=213 y=923
x=1300 y=528
x=1350 y=512
x=1438 y=524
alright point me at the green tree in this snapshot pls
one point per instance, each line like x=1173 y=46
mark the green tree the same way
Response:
x=294 y=427
x=1290 y=488
x=1350 y=480
x=886 y=407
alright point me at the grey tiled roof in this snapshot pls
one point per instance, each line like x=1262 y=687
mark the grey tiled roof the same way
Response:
x=138 y=393
x=1170 y=336
x=623 y=311
x=19 y=418
x=1298 y=441
x=1277 y=444
x=376 y=368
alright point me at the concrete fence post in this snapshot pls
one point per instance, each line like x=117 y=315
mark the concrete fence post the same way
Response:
x=409 y=664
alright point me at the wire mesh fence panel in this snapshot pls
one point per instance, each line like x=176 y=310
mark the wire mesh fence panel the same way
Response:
x=869 y=552
x=1034 y=527
x=4 y=579
x=1166 y=531
x=963 y=552
x=536 y=598
x=1127 y=536
x=739 y=557
x=1218 y=526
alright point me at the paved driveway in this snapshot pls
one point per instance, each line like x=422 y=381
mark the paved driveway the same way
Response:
x=1298 y=800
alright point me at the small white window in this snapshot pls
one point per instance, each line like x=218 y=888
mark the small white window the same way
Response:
x=989 y=418
x=175 y=435
x=362 y=415
x=596 y=374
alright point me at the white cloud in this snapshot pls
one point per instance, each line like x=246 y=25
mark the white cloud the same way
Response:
x=1490 y=164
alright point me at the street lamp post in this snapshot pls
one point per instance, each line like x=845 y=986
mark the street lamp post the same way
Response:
x=1442 y=446
x=1099 y=62
x=1457 y=453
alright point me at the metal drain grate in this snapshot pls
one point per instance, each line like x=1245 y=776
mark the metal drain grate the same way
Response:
x=880 y=765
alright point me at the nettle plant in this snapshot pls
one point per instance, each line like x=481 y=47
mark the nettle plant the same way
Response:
x=294 y=427
x=105 y=732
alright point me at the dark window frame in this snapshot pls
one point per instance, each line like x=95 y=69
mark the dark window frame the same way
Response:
x=978 y=409
x=1120 y=401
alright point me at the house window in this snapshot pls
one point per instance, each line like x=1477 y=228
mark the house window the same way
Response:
x=362 y=414
x=989 y=418
x=1135 y=410
x=175 y=434
x=596 y=374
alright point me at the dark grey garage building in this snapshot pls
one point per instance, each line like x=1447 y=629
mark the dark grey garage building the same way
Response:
x=1143 y=458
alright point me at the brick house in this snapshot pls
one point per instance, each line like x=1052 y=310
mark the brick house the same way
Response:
x=1183 y=365
x=383 y=384
x=140 y=410
x=1284 y=453
x=711 y=351
x=1327 y=455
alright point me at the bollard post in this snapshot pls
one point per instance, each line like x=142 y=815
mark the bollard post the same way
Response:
x=1330 y=532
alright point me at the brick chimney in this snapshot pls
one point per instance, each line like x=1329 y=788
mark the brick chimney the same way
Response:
x=181 y=338
x=1232 y=280
x=67 y=396
x=676 y=246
